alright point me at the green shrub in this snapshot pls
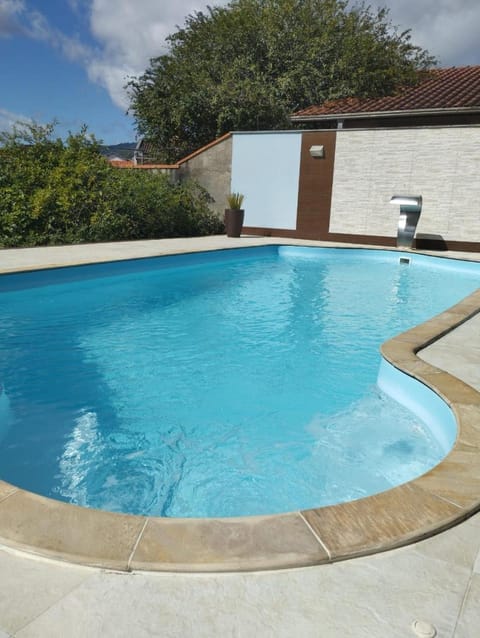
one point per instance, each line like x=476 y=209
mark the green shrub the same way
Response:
x=144 y=205
x=55 y=192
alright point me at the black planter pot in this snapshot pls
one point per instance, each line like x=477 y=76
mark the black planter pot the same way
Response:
x=234 y=221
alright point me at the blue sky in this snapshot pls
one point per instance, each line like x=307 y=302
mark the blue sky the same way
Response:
x=69 y=59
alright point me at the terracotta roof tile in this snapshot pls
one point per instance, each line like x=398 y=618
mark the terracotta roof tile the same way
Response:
x=452 y=88
x=121 y=163
x=130 y=164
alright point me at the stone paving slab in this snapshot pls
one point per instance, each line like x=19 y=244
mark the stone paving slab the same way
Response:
x=368 y=597
x=29 y=587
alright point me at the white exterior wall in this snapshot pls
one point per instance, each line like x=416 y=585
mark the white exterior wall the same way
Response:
x=265 y=168
x=441 y=164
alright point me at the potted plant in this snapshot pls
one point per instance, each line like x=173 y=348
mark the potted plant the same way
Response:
x=234 y=215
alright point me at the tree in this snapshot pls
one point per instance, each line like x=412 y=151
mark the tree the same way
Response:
x=249 y=65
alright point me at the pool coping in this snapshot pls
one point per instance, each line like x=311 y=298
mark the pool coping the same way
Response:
x=444 y=496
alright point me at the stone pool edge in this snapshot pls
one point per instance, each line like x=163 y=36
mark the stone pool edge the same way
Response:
x=437 y=500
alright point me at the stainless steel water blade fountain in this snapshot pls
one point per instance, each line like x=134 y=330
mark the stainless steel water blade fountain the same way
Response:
x=410 y=209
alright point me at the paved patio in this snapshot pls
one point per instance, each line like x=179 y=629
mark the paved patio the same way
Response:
x=436 y=580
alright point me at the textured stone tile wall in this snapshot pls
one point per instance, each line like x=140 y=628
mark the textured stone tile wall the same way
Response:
x=441 y=164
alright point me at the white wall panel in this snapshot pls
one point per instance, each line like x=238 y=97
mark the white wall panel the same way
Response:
x=265 y=168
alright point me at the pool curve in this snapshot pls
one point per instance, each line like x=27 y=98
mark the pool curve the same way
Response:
x=444 y=496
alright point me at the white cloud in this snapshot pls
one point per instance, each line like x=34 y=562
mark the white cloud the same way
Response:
x=127 y=37
x=130 y=36
x=113 y=77
x=447 y=28
x=38 y=28
x=17 y=18
x=10 y=11
x=136 y=31
x=78 y=6
x=9 y=119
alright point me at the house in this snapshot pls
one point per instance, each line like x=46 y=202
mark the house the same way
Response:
x=146 y=152
x=335 y=180
x=443 y=97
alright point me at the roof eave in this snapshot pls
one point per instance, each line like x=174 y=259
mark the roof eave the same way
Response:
x=376 y=114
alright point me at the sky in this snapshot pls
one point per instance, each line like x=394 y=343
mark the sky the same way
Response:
x=69 y=60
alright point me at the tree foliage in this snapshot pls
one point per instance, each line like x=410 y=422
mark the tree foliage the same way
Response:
x=60 y=192
x=250 y=64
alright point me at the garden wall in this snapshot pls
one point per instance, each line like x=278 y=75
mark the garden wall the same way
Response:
x=344 y=196
x=211 y=167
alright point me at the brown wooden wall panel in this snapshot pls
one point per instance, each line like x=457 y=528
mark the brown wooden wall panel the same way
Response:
x=369 y=240
x=315 y=185
x=268 y=232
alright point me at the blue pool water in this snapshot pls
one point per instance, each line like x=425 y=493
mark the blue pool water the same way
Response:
x=218 y=384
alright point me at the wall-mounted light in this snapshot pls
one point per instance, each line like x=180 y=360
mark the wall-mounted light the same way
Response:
x=317 y=151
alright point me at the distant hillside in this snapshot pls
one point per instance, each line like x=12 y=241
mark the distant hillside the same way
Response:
x=123 y=150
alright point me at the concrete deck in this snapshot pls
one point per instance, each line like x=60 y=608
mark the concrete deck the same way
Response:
x=437 y=580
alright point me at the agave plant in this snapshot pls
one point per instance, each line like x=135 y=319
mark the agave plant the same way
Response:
x=235 y=201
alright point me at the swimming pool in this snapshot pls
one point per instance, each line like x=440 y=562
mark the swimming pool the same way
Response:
x=306 y=382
